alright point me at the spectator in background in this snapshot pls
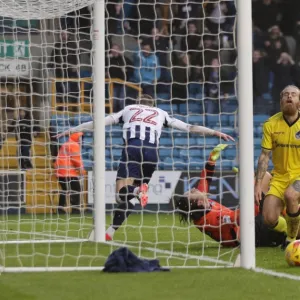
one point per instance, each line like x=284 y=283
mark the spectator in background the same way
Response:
x=146 y=68
x=182 y=13
x=25 y=129
x=285 y=73
x=216 y=87
x=297 y=39
x=190 y=42
x=116 y=66
x=181 y=73
x=260 y=81
x=77 y=21
x=115 y=18
x=206 y=51
x=65 y=61
x=289 y=15
x=258 y=37
x=69 y=171
x=144 y=17
x=275 y=44
x=265 y=14
x=161 y=46
x=219 y=17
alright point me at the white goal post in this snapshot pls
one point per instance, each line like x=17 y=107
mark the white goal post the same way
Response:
x=34 y=242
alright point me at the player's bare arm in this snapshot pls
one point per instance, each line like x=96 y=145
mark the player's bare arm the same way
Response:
x=88 y=126
x=262 y=168
x=175 y=123
x=205 y=130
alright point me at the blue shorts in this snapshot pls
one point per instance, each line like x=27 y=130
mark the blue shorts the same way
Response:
x=139 y=160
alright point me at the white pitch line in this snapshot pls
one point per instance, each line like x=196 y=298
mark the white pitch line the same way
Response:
x=276 y=274
x=204 y=258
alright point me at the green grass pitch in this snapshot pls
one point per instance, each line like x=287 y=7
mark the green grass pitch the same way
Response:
x=155 y=235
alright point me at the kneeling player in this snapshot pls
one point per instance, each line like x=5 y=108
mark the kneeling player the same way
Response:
x=218 y=221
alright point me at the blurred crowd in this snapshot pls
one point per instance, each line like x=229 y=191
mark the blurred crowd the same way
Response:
x=184 y=50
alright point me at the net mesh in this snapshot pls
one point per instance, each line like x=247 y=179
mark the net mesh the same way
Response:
x=181 y=53
x=40 y=9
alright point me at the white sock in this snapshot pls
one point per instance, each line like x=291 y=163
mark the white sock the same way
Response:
x=110 y=231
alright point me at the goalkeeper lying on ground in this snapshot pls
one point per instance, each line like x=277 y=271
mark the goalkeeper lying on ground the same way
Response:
x=218 y=221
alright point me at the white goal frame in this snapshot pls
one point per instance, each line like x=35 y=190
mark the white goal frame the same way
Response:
x=244 y=37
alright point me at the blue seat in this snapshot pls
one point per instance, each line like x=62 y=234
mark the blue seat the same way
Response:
x=228 y=130
x=267 y=97
x=61 y=119
x=195 y=107
x=108 y=153
x=160 y=166
x=229 y=153
x=82 y=118
x=224 y=119
x=165 y=106
x=260 y=119
x=196 y=119
x=213 y=141
x=163 y=96
x=212 y=120
x=116 y=132
x=181 y=117
x=200 y=141
x=115 y=141
x=258 y=131
x=116 y=153
x=108 y=164
x=196 y=164
x=195 y=88
x=165 y=152
x=229 y=107
x=88 y=164
x=88 y=133
x=257 y=142
x=168 y=163
x=178 y=134
x=165 y=133
x=233 y=120
x=182 y=108
x=226 y=164
x=192 y=154
x=257 y=153
x=164 y=141
x=185 y=142
x=88 y=140
x=62 y=128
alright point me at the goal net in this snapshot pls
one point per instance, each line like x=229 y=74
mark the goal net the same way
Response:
x=181 y=53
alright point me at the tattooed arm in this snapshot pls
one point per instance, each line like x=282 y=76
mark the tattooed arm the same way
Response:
x=262 y=168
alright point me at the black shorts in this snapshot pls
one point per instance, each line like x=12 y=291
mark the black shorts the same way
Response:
x=139 y=160
x=266 y=237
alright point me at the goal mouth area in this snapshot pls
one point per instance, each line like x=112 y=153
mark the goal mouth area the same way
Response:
x=56 y=250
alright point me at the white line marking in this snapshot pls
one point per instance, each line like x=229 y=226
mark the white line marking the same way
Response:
x=173 y=253
x=276 y=274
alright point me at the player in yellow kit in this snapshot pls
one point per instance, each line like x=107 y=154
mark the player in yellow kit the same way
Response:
x=281 y=138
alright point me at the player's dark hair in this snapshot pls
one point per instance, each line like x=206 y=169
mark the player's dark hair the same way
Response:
x=188 y=210
x=146 y=100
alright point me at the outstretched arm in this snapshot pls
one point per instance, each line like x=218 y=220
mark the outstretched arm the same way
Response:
x=109 y=120
x=175 y=123
x=82 y=127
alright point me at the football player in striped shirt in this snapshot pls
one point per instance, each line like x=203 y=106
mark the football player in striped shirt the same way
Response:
x=142 y=127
